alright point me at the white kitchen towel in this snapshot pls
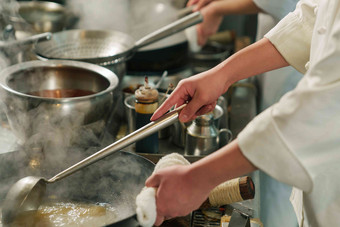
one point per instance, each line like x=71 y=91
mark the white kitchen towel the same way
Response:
x=146 y=207
x=146 y=199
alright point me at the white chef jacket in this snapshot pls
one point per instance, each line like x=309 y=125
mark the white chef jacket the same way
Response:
x=297 y=140
x=276 y=208
x=276 y=83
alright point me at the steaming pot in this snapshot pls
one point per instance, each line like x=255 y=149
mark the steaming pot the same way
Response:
x=35 y=104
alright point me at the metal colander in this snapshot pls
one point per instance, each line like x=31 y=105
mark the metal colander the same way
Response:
x=86 y=45
x=105 y=47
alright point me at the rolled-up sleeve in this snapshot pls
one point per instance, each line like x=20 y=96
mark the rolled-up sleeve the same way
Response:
x=292 y=35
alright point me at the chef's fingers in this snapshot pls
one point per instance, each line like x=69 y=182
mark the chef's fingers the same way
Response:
x=176 y=98
x=203 y=110
x=192 y=2
x=206 y=109
x=200 y=4
x=159 y=220
x=153 y=181
x=190 y=112
x=164 y=108
x=201 y=37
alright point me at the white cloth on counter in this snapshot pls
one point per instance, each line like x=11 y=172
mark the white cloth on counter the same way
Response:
x=297 y=140
x=146 y=200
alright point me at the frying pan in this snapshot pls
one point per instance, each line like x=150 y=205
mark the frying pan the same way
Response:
x=104 y=46
x=116 y=180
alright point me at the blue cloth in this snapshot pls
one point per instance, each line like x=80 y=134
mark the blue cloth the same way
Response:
x=276 y=8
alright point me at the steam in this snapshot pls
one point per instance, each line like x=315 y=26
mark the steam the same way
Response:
x=45 y=143
x=135 y=17
x=49 y=143
x=113 y=14
x=148 y=16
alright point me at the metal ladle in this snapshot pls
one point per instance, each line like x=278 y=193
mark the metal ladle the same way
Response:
x=27 y=193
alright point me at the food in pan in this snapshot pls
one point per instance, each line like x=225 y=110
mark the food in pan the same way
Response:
x=68 y=214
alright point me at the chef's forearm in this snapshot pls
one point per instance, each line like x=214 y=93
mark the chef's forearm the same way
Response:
x=255 y=59
x=224 y=164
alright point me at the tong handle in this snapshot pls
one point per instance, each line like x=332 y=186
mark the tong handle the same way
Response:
x=163 y=122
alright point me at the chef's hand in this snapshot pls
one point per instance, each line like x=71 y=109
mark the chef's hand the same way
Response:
x=200 y=92
x=199 y=4
x=212 y=19
x=178 y=192
x=210 y=25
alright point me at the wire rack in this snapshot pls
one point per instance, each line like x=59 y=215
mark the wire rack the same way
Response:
x=206 y=218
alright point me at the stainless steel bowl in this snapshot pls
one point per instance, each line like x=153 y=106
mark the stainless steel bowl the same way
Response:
x=56 y=96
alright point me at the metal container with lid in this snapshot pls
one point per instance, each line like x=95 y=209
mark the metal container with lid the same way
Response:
x=203 y=137
x=145 y=105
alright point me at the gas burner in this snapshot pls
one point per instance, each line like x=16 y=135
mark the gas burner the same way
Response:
x=203 y=218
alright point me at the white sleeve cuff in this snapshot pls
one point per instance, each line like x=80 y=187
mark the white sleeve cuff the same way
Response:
x=292 y=36
x=291 y=41
x=262 y=145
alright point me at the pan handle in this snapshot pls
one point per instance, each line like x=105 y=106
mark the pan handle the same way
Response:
x=26 y=41
x=177 y=26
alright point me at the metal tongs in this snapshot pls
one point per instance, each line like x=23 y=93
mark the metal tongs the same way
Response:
x=147 y=130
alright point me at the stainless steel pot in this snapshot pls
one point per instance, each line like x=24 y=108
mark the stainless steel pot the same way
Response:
x=56 y=96
x=39 y=16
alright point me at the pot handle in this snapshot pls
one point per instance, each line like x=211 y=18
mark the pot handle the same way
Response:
x=177 y=26
x=26 y=41
x=225 y=136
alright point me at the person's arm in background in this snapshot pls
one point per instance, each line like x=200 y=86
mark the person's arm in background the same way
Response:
x=214 y=11
x=204 y=89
